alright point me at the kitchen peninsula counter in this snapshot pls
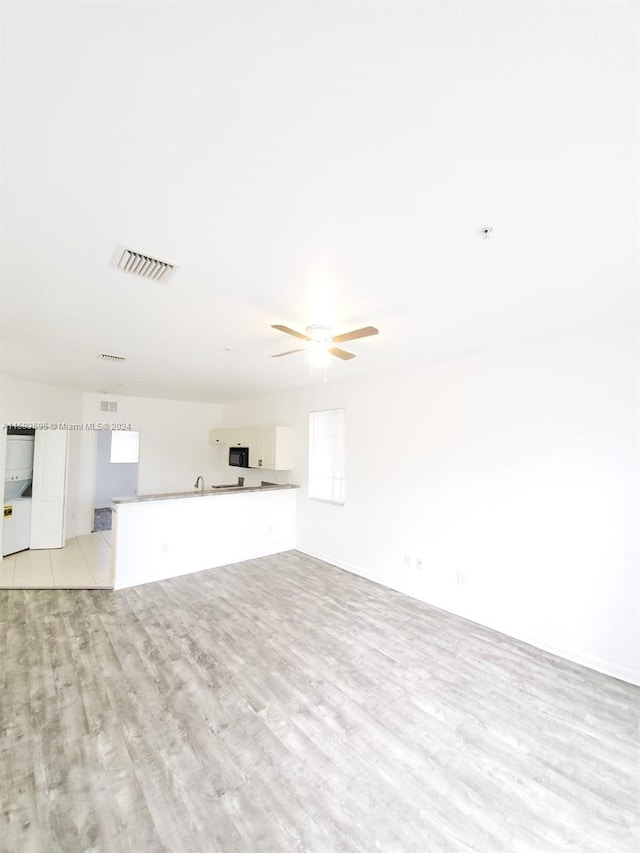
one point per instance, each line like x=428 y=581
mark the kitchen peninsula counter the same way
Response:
x=161 y=536
x=207 y=493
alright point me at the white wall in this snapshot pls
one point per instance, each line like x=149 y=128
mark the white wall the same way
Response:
x=113 y=479
x=516 y=471
x=174 y=443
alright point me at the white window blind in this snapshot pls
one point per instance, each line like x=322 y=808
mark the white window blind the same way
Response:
x=327 y=456
x=125 y=445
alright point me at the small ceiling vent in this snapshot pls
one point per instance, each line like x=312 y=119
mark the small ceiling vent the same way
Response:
x=142 y=265
x=105 y=356
x=108 y=406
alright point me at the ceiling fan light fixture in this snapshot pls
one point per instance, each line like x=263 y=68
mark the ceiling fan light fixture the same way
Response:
x=318 y=354
x=319 y=335
x=319 y=342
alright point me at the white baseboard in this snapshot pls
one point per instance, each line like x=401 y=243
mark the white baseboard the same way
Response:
x=540 y=642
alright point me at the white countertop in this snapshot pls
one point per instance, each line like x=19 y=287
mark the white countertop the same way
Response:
x=210 y=492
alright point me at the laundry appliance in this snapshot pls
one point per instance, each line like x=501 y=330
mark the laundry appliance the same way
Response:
x=18 y=477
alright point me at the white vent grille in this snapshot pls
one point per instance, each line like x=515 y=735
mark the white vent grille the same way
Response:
x=108 y=406
x=142 y=265
x=105 y=356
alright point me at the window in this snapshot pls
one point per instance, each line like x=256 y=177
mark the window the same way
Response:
x=326 y=456
x=125 y=445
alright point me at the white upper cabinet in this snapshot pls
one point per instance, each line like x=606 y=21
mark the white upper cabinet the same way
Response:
x=230 y=436
x=279 y=448
x=269 y=447
x=222 y=437
x=273 y=449
x=239 y=436
x=256 y=448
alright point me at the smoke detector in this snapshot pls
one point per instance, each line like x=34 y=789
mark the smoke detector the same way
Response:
x=144 y=266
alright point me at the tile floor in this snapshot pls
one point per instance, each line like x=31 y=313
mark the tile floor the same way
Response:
x=83 y=563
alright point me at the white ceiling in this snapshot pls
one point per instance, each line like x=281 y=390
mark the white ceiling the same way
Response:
x=311 y=163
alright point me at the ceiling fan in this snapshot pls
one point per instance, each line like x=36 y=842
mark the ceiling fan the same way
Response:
x=319 y=339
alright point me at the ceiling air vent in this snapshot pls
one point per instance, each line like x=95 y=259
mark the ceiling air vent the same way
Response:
x=142 y=265
x=105 y=356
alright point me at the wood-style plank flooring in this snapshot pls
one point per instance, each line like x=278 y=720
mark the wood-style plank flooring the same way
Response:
x=285 y=705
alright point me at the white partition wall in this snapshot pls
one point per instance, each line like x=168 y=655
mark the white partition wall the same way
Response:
x=158 y=539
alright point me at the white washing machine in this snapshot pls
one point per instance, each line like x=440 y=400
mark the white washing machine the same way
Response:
x=18 y=476
x=18 y=469
x=16 y=525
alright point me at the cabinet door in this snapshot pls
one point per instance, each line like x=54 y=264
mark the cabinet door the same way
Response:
x=230 y=436
x=269 y=449
x=239 y=436
x=256 y=448
x=282 y=448
x=276 y=449
x=221 y=437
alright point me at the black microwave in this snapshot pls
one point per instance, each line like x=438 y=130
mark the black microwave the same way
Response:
x=239 y=457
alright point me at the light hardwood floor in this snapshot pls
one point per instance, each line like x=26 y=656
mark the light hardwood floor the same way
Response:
x=285 y=705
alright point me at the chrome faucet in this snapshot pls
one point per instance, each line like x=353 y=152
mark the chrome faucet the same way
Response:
x=201 y=481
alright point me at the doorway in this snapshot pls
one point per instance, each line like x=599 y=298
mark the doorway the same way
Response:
x=117 y=472
x=34 y=490
x=18 y=482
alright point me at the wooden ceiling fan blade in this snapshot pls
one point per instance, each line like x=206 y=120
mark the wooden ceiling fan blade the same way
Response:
x=365 y=332
x=288 y=352
x=341 y=353
x=293 y=332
